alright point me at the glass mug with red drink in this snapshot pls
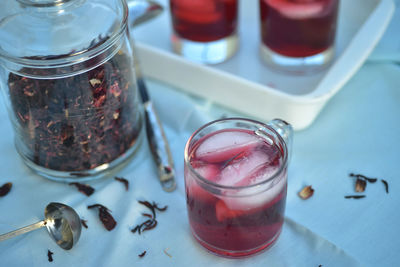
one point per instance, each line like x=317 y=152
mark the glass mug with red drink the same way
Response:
x=204 y=30
x=236 y=181
x=298 y=35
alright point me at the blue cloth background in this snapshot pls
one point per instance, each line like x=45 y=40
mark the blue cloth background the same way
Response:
x=357 y=131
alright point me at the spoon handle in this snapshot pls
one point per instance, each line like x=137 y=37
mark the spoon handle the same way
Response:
x=22 y=230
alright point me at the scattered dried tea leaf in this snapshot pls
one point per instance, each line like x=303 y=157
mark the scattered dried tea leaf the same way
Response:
x=84 y=223
x=150 y=206
x=136 y=229
x=148 y=215
x=124 y=181
x=149 y=223
x=83 y=188
x=385 y=183
x=153 y=207
x=370 y=180
x=105 y=217
x=141 y=255
x=306 y=192
x=5 y=189
x=360 y=185
x=362 y=179
x=146 y=225
x=166 y=252
x=50 y=255
x=355 y=196
x=158 y=208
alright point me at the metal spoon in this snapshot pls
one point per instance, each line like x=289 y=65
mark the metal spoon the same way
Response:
x=62 y=223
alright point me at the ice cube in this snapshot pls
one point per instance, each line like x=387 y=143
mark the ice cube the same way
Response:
x=224 y=145
x=297 y=10
x=239 y=172
x=254 y=197
x=250 y=200
x=250 y=171
x=209 y=172
x=261 y=173
x=264 y=170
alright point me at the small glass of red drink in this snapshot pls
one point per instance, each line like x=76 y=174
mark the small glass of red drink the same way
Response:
x=235 y=181
x=298 y=35
x=204 y=30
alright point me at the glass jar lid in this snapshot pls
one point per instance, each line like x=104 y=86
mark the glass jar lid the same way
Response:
x=32 y=31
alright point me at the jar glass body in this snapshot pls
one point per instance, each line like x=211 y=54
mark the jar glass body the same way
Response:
x=76 y=115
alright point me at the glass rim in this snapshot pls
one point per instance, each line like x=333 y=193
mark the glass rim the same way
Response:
x=43 y=3
x=229 y=187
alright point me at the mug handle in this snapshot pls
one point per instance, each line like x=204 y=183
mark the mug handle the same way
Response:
x=285 y=130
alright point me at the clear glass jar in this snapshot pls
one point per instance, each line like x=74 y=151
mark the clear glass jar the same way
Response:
x=67 y=73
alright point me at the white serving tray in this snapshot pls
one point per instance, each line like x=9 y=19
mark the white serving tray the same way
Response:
x=245 y=84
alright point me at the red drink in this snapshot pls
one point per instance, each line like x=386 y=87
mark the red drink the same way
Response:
x=298 y=28
x=204 y=20
x=235 y=183
x=204 y=30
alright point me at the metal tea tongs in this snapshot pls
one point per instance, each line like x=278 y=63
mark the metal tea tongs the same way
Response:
x=141 y=11
x=157 y=140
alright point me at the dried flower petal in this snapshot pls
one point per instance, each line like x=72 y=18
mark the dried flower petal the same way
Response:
x=385 y=183
x=355 y=196
x=360 y=185
x=5 y=189
x=141 y=255
x=306 y=192
x=83 y=222
x=77 y=123
x=105 y=217
x=50 y=255
x=124 y=181
x=84 y=188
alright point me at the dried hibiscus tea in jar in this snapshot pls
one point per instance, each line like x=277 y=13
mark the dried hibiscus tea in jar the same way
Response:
x=80 y=122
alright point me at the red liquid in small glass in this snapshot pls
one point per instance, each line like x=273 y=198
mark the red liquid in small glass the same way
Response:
x=204 y=20
x=298 y=28
x=228 y=225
